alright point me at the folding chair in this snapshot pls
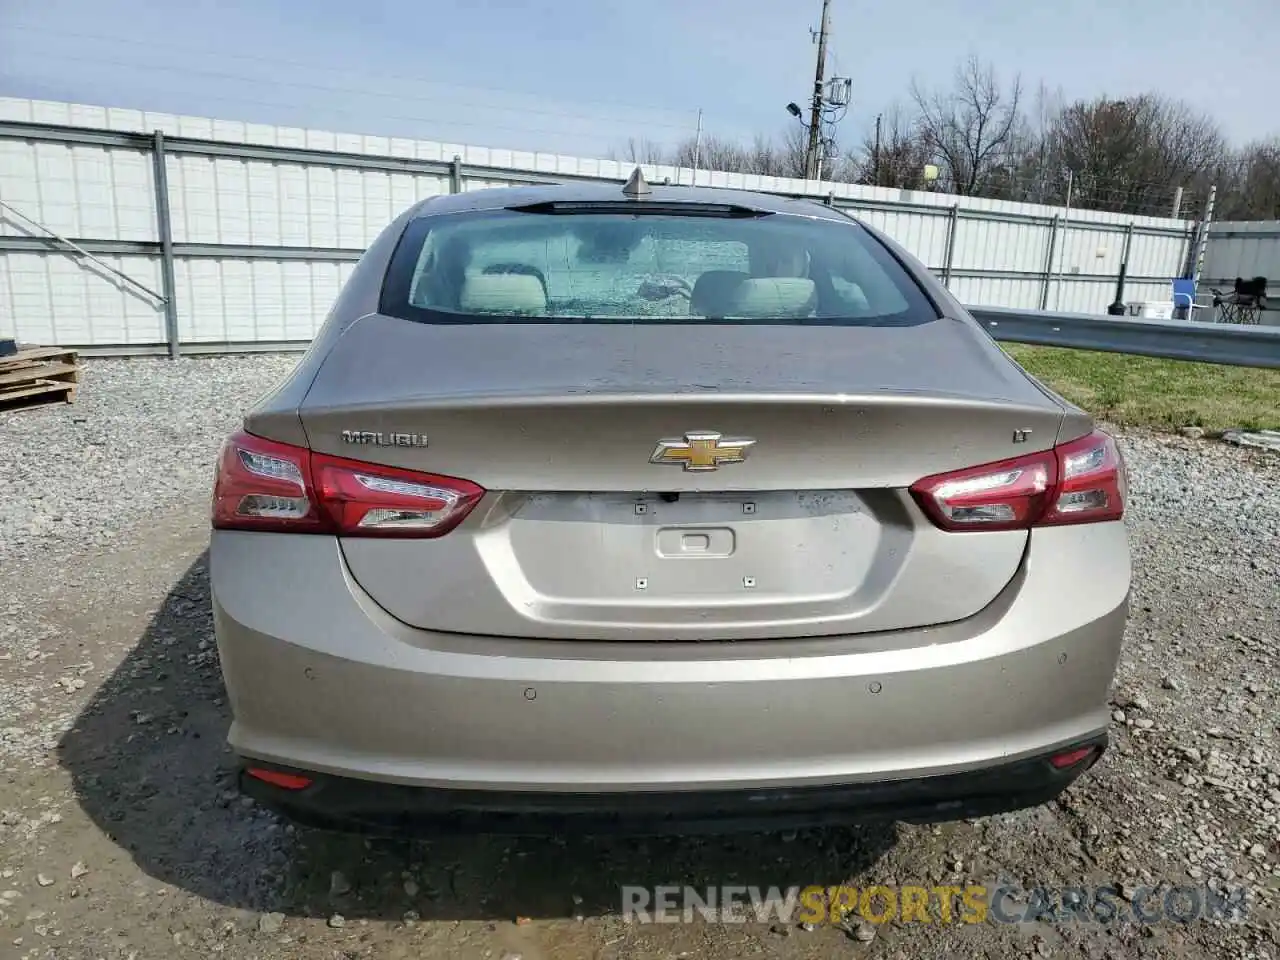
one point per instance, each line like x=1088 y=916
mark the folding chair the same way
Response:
x=1184 y=298
x=1244 y=304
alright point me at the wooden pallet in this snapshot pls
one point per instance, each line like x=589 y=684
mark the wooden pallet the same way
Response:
x=37 y=375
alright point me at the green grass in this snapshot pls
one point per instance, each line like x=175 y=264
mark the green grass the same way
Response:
x=1162 y=394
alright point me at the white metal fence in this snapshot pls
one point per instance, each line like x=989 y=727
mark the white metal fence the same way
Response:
x=1243 y=250
x=245 y=232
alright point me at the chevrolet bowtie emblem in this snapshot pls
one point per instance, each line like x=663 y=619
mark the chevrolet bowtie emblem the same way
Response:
x=701 y=450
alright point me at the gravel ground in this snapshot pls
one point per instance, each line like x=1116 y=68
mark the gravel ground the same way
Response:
x=121 y=835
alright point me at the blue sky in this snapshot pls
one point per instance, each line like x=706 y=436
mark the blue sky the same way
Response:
x=580 y=77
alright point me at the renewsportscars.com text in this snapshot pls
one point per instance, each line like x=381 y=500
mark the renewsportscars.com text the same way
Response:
x=937 y=904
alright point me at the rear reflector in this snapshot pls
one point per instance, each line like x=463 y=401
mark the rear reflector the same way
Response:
x=285 y=781
x=266 y=485
x=1082 y=481
x=1071 y=757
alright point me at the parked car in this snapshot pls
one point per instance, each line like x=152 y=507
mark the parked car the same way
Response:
x=660 y=509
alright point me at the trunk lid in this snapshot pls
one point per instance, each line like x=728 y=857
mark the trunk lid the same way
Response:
x=582 y=536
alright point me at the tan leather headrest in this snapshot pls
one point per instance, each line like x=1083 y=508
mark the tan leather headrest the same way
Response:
x=503 y=293
x=765 y=297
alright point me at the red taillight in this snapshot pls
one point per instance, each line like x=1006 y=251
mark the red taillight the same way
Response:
x=264 y=485
x=285 y=781
x=1082 y=481
x=369 y=501
x=267 y=485
x=1071 y=757
x=1091 y=482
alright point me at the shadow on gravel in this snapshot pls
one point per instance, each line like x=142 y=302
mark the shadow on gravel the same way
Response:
x=150 y=767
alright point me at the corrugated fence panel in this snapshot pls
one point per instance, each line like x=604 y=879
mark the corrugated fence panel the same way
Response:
x=1243 y=250
x=1086 y=252
x=1082 y=294
x=481 y=183
x=221 y=300
x=1152 y=255
x=1018 y=247
x=1005 y=292
x=226 y=200
x=78 y=190
x=56 y=298
x=922 y=232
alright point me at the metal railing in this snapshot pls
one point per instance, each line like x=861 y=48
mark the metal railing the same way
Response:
x=1241 y=346
x=54 y=236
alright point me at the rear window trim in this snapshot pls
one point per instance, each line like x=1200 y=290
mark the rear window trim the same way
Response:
x=643 y=208
x=394 y=298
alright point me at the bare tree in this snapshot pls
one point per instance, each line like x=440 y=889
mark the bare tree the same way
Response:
x=1131 y=155
x=974 y=131
x=766 y=159
x=711 y=153
x=1040 y=176
x=794 y=145
x=640 y=151
x=898 y=159
x=1249 y=183
x=763 y=156
x=1128 y=155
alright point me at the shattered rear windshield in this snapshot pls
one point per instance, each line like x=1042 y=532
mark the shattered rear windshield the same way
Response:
x=599 y=266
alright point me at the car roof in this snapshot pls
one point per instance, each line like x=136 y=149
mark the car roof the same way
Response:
x=593 y=191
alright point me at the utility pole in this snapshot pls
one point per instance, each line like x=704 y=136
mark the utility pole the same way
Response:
x=875 y=161
x=815 y=118
x=697 y=149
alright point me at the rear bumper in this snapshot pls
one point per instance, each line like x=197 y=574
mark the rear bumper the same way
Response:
x=320 y=679
x=361 y=806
